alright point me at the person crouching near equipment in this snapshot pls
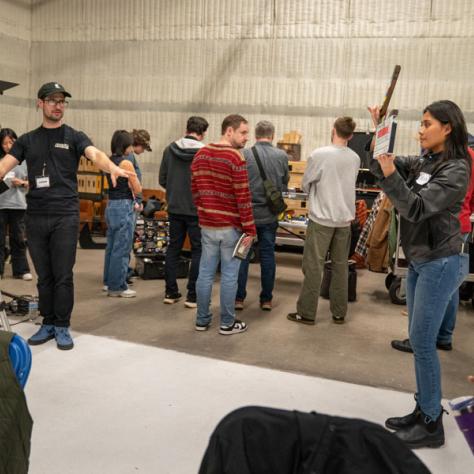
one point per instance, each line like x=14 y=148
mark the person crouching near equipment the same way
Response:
x=120 y=219
x=428 y=192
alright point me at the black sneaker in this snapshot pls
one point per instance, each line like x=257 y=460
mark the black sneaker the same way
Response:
x=172 y=298
x=405 y=346
x=237 y=327
x=295 y=317
x=190 y=302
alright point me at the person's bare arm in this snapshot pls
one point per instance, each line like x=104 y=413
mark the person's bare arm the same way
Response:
x=104 y=163
x=133 y=181
x=7 y=163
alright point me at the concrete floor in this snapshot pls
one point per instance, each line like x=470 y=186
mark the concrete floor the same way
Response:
x=358 y=351
x=113 y=407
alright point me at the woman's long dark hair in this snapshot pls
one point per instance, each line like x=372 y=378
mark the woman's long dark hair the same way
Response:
x=455 y=146
x=121 y=140
x=4 y=133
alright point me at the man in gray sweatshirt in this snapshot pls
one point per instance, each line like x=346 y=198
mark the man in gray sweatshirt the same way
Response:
x=329 y=180
x=175 y=177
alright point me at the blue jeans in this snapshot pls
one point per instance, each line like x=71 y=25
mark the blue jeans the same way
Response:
x=120 y=220
x=217 y=245
x=430 y=290
x=266 y=234
x=449 y=321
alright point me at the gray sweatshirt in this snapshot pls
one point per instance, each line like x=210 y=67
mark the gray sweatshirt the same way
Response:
x=14 y=198
x=329 y=180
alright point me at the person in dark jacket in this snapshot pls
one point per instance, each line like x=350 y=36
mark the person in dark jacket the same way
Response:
x=270 y=441
x=275 y=164
x=446 y=330
x=175 y=177
x=428 y=192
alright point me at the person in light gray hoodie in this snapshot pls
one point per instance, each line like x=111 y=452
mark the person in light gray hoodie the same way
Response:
x=175 y=177
x=12 y=212
x=329 y=180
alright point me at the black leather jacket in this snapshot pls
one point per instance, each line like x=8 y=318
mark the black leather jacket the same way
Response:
x=428 y=194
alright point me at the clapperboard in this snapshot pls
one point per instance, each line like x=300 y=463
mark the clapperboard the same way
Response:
x=385 y=135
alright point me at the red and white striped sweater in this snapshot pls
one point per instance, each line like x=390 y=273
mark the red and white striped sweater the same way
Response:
x=220 y=188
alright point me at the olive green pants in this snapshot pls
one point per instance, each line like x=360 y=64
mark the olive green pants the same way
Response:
x=319 y=240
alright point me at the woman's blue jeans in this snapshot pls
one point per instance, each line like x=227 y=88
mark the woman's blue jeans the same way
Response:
x=431 y=287
x=120 y=220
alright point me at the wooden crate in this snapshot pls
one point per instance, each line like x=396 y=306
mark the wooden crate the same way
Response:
x=295 y=181
x=296 y=204
x=293 y=150
x=298 y=167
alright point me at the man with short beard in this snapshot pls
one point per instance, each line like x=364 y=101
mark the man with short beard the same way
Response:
x=52 y=153
x=222 y=197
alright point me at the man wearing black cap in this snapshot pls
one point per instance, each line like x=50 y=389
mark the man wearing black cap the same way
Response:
x=52 y=153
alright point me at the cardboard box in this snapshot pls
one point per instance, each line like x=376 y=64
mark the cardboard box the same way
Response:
x=296 y=204
x=295 y=181
x=297 y=166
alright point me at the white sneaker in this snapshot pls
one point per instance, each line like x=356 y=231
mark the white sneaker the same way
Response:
x=27 y=276
x=123 y=294
x=105 y=288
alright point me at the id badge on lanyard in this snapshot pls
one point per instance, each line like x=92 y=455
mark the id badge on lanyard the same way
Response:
x=43 y=180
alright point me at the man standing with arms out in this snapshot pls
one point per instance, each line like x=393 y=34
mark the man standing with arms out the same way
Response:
x=275 y=164
x=175 y=177
x=329 y=180
x=222 y=197
x=52 y=153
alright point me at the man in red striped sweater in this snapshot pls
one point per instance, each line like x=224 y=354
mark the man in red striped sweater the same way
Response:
x=222 y=197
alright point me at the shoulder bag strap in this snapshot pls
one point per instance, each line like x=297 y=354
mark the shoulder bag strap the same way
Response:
x=259 y=164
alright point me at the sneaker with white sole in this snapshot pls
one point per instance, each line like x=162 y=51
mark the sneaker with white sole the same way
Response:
x=190 y=303
x=123 y=294
x=27 y=276
x=172 y=298
x=236 y=328
x=105 y=288
x=202 y=327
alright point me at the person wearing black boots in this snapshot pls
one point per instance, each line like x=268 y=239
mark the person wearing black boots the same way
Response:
x=428 y=192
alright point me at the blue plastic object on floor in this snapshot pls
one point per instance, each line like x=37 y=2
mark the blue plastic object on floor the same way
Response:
x=20 y=357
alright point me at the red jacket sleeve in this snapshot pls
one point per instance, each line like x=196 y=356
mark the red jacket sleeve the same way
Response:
x=468 y=204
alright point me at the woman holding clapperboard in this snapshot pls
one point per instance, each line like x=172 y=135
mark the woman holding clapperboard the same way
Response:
x=428 y=192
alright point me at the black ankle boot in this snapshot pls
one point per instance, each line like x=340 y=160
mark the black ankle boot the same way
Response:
x=423 y=433
x=399 y=422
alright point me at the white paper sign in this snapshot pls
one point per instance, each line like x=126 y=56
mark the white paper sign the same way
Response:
x=385 y=136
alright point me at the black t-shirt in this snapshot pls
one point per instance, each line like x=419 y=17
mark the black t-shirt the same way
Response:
x=56 y=151
x=122 y=189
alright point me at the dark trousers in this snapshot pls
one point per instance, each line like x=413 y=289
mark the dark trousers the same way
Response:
x=181 y=224
x=52 y=241
x=15 y=220
x=266 y=235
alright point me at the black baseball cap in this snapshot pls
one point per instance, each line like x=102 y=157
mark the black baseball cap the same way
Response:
x=51 y=88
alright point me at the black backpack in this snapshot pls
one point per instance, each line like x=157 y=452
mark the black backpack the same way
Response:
x=275 y=201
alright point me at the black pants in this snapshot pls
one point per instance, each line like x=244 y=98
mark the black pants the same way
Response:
x=180 y=225
x=52 y=241
x=15 y=220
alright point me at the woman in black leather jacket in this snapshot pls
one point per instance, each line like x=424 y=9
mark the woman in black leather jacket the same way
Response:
x=428 y=192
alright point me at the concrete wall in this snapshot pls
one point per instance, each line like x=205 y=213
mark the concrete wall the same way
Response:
x=15 y=41
x=152 y=63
